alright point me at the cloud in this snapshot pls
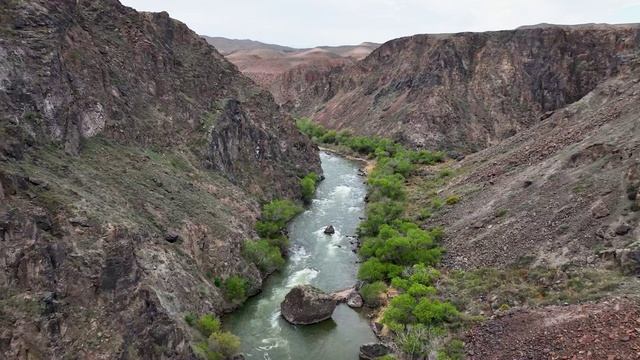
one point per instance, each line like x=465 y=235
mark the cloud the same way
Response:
x=307 y=23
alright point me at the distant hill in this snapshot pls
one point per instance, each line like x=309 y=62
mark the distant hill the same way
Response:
x=227 y=46
x=280 y=69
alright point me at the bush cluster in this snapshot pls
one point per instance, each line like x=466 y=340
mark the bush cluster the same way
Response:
x=395 y=250
x=235 y=288
x=308 y=186
x=275 y=216
x=267 y=252
x=219 y=344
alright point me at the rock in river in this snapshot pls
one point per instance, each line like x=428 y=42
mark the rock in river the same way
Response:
x=373 y=351
x=329 y=230
x=305 y=305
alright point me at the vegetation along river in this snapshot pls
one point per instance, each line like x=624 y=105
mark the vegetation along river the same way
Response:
x=325 y=261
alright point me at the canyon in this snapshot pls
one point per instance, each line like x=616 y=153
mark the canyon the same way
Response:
x=135 y=156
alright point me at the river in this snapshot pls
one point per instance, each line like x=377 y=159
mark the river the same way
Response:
x=325 y=261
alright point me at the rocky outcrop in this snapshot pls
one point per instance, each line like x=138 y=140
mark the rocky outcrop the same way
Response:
x=467 y=91
x=329 y=230
x=373 y=351
x=133 y=158
x=141 y=79
x=305 y=305
x=556 y=193
x=349 y=296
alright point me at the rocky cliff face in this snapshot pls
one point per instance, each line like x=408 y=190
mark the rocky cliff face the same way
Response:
x=563 y=192
x=132 y=160
x=469 y=90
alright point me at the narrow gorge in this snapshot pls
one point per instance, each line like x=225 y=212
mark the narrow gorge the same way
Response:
x=170 y=195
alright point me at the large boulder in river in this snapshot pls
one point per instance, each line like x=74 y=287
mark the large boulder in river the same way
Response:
x=373 y=351
x=329 y=230
x=305 y=305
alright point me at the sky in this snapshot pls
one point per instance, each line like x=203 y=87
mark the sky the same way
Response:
x=309 y=23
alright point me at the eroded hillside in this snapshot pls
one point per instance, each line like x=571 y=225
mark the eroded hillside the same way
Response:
x=133 y=158
x=286 y=71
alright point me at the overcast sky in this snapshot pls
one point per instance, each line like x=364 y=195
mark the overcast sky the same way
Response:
x=308 y=23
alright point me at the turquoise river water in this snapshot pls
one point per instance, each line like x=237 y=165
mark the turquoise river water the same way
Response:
x=325 y=261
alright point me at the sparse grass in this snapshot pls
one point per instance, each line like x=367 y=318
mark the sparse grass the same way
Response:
x=141 y=190
x=487 y=290
x=452 y=199
x=501 y=213
x=437 y=203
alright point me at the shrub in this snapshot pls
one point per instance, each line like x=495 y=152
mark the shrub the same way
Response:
x=400 y=283
x=426 y=157
x=235 y=288
x=266 y=256
x=275 y=216
x=386 y=357
x=190 y=319
x=423 y=275
x=379 y=213
x=452 y=199
x=201 y=350
x=434 y=312
x=307 y=127
x=420 y=290
x=375 y=270
x=387 y=186
x=371 y=293
x=268 y=229
x=281 y=242
x=437 y=203
x=403 y=244
x=224 y=343
x=454 y=350
x=400 y=310
x=418 y=340
x=329 y=137
x=446 y=172
x=208 y=324
x=308 y=186
x=425 y=214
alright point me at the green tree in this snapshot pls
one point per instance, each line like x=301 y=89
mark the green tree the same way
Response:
x=371 y=293
x=235 y=288
x=208 y=324
x=308 y=186
x=434 y=312
x=224 y=343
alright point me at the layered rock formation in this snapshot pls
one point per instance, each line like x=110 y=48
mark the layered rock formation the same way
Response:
x=133 y=157
x=470 y=90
